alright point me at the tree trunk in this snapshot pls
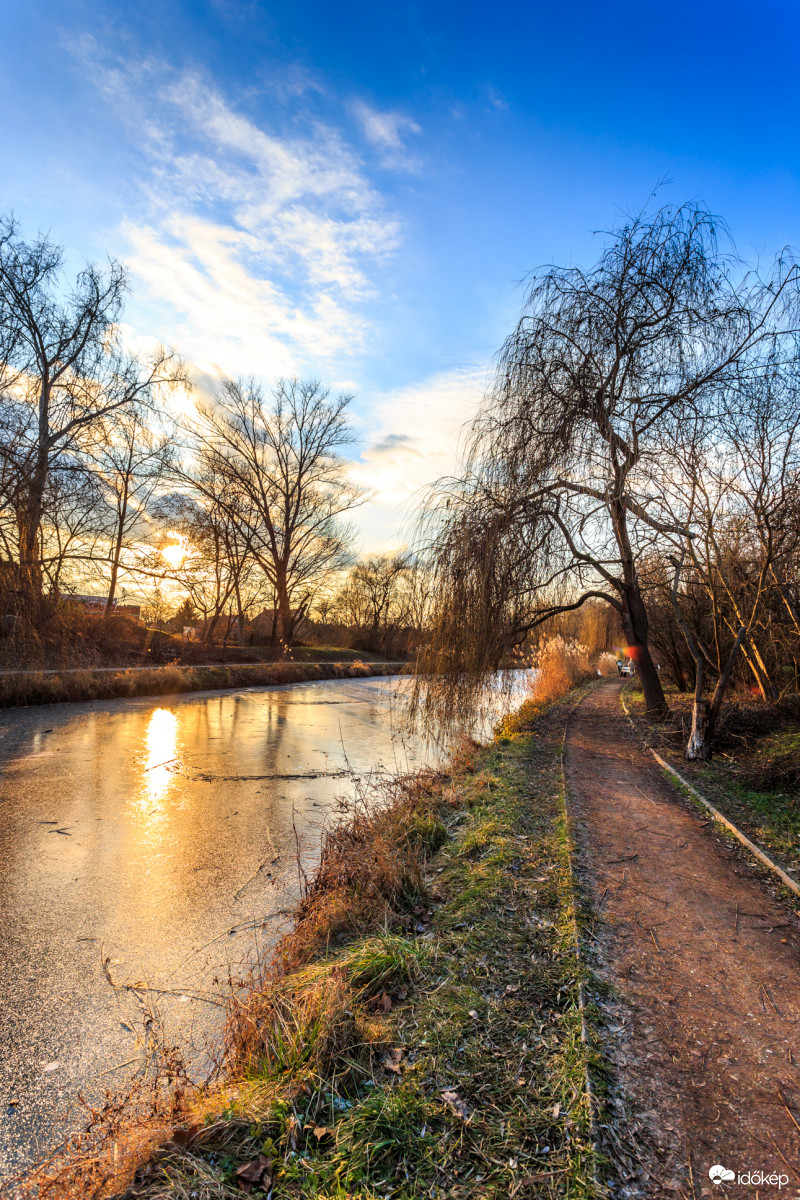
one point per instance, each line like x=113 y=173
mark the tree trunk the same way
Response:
x=284 y=612
x=239 y=614
x=704 y=715
x=122 y=516
x=29 y=527
x=699 y=746
x=634 y=623
x=30 y=517
x=112 y=585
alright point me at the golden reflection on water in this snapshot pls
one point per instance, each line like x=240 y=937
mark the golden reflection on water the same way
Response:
x=161 y=740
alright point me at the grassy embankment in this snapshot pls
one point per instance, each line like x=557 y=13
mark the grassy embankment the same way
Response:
x=754 y=777
x=418 y=1033
x=57 y=687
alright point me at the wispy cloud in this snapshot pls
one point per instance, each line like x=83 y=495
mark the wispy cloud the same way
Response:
x=387 y=131
x=262 y=242
x=496 y=98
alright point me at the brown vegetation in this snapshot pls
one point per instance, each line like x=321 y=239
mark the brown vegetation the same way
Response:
x=56 y=688
x=559 y=666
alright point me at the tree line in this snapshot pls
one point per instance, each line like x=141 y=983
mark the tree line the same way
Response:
x=241 y=505
x=639 y=448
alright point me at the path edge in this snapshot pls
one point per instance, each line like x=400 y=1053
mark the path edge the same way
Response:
x=755 y=850
x=583 y=965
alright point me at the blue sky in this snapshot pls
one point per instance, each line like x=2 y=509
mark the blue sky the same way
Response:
x=354 y=190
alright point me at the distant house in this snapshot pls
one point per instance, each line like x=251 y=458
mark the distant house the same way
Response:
x=92 y=603
x=264 y=624
x=97 y=604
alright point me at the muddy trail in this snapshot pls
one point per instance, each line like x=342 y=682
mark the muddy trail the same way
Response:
x=700 y=962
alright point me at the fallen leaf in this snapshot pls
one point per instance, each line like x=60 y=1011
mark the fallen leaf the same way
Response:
x=321 y=1131
x=392 y=1060
x=252 y=1174
x=456 y=1105
x=182 y=1137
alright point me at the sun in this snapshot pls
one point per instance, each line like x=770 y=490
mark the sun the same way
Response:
x=174 y=554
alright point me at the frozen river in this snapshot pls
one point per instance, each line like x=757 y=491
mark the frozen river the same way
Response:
x=157 y=835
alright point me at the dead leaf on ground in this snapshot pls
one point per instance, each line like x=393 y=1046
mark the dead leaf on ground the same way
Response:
x=181 y=1138
x=457 y=1106
x=382 y=1002
x=256 y=1173
x=393 y=1059
x=321 y=1131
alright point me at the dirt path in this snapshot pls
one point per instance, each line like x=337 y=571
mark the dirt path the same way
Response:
x=703 y=968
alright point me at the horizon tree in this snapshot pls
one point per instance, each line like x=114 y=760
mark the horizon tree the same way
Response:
x=286 y=484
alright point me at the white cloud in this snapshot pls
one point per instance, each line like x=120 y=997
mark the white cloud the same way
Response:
x=385 y=130
x=259 y=245
x=496 y=98
x=413 y=440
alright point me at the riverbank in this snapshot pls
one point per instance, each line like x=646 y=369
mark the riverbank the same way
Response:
x=419 y=1031
x=18 y=689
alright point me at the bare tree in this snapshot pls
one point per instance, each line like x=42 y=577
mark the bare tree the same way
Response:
x=729 y=481
x=286 y=485
x=63 y=370
x=131 y=461
x=602 y=368
x=376 y=597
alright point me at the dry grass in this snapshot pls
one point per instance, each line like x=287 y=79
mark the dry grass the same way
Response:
x=371 y=867
x=559 y=666
x=57 y=688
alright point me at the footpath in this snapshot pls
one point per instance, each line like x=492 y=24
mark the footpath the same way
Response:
x=697 y=955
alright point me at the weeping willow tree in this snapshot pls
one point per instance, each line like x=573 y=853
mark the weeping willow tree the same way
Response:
x=559 y=500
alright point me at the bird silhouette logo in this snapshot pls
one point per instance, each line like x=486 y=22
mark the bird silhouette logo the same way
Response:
x=720 y=1174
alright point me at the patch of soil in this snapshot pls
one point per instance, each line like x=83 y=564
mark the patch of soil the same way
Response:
x=702 y=969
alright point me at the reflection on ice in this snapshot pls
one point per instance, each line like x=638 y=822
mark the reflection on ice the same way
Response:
x=161 y=740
